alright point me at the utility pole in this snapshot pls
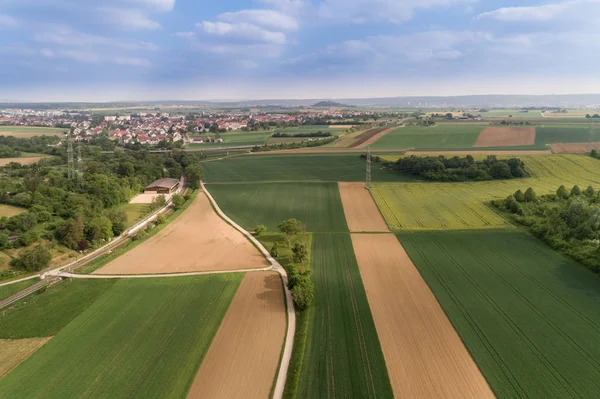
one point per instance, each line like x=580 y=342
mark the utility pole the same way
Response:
x=70 y=163
x=79 y=166
x=368 y=177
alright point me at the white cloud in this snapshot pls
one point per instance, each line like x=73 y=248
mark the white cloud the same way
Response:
x=129 y=19
x=184 y=34
x=65 y=36
x=393 y=11
x=242 y=32
x=159 y=5
x=133 y=61
x=7 y=22
x=574 y=10
x=266 y=18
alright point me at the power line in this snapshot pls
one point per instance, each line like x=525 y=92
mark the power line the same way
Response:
x=79 y=166
x=368 y=177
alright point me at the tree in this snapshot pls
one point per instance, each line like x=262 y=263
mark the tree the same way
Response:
x=118 y=219
x=303 y=293
x=300 y=252
x=590 y=191
x=530 y=195
x=98 y=229
x=178 y=201
x=519 y=196
x=275 y=250
x=4 y=243
x=160 y=219
x=158 y=202
x=562 y=192
x=260 y=229
x=290 y=228
x=575 y=191
x=35 y=259
x=500 y=170
x=194 y=174
x=72 y=232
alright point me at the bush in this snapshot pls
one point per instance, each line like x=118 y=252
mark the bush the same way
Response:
x=530 y=195
x=303 y=292
x=576 y=191
x=35 y=259
x=178 y=201
x=590 y=191
x=519 y=196
x=300 y=252
x=259 y=230
x=275 y=250
x=562 y=192
x=160 y=219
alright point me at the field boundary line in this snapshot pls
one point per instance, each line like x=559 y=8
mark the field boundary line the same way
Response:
x=291 y=327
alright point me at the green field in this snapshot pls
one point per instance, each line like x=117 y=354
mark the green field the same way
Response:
x=527 y=314
x=134 y=212
x=32 y=130
x=343 y=357
x=143 y=338
x=440 y=206
x=566 y=134
x=290 y=168
x=45 y=313
x=318 y=205
x=440 y=137
x=11 y=289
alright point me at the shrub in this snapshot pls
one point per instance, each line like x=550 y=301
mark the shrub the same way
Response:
x=160 y=219
x=300 y=252
x=519 y=196
x=35 y=259
x=562 y=192
x=259 y=230
x=576 y=190
x=275 y=250
x=303 y=292
x=530 y=195
x=590 y=191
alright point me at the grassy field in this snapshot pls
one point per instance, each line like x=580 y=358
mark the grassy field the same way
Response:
x=134 y=212
x=527 y=315
x=143 y=338
x=430 y=138
x=318 y=205
x=9 y=210
x=45 y=313
x=566 y=134
x=31 y=131
x=290 y=168
x=440 y=206
x=343 y=357
x=11 y=289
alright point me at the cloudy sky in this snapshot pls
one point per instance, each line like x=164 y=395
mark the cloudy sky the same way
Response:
x=109 y=50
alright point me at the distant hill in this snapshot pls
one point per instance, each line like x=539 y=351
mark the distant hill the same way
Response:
x=329 y=104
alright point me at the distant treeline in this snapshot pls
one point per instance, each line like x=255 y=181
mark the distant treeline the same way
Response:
x=458 y=169
x=313 y=134
x=291 y=146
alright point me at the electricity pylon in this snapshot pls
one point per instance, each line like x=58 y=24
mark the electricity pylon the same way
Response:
x=70 y=163
x=368 y=177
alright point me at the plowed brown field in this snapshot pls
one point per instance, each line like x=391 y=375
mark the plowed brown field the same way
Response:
x=478 y=152
x=424 y=355
x=506 y=137
x=362 y=215
x=374 y=138
x=244 y=355
x=199 y=240
x=574 y=148
x=14 y=351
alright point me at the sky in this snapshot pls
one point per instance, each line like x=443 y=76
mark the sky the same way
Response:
x=125 y=50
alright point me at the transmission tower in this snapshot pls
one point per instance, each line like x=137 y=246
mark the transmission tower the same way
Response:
x=79 y=166
x=368 y=177
x=70 y=163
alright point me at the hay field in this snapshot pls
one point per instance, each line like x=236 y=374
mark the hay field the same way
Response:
x=506 y=137
x=22 y=161
x=244 y=355
x=343 y=357
x=30 y=131
x=424 y=355
x=144 y=338
x=440 y=206
x=10 y=211
x=199 y=240
x=317 y=205
x=527 y=314
x=360 y=210
x=14 y=351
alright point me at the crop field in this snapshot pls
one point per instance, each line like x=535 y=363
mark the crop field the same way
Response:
x=30 y=131
x=293 y=168
x=143 y=338
x=527 y=314
x=430 y=138
x=234 y=140
x=11 y=289
x=343 y=357
x=439 y=206
x=566 y=134
x=14 y=351
x=318 y=205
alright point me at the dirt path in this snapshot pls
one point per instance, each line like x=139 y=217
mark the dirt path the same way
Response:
x=360 y=210
x=376 y=137
x=506 y=137
x=14 y=351
x=199 y=240
x=424 y=355
x=243 y=357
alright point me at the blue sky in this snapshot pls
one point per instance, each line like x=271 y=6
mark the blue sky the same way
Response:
x=90 y=50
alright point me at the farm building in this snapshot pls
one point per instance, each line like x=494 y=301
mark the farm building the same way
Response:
x=162 y=186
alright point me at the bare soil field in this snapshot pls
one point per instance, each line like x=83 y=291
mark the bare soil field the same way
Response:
x=574 y=148
x=374 y=138
x=199 y=240
x=478 y=152
x=362 y=215
x=22 y=161
x=340 y=126
x=14 y=351
x=147 y=198
x=244 y=355
x=368 y=136
x=506 y=137
x=424 y=355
